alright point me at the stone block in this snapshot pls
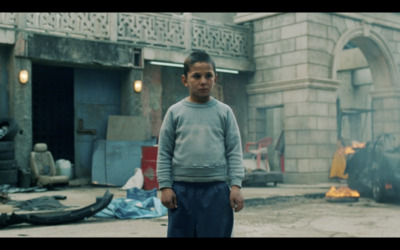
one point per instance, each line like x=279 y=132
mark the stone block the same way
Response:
x=327 y=96
x=290 y=137
x=391 y=127
x=302 y=70
x=268 y=62
x=332 y=109
x=313 y=165
x=283 y=73
x=295 y=57
x=301 y=122
x=320 y=43
x=294 y=30
x=266 y=36
x=267 y=75
x=390 y=103
x=326 y=151
x=257 y=77
x=313 y=137
x=326 y=123
x=317 y=108
x=256 y=100
x=290 y=109
x=300 y=151
x=298 y=95
x=290 y=165
x=279 y=20
x=302 y=42
x=312 y=108
x=317 y=29
x=273 y=99
x=258 y=51
x=319 y=71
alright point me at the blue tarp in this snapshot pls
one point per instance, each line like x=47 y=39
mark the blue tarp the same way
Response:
x=138 y=204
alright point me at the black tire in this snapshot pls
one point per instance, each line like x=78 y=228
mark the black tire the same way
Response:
x=6 y=150
x=9 y=176
x=12 y=128
x=8 y=165
x=378 y=189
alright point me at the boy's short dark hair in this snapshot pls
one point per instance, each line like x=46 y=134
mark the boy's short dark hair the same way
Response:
x=197 y=56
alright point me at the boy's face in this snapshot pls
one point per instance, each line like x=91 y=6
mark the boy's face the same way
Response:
x=200 y=81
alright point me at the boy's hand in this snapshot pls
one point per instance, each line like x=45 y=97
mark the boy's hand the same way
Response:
x=168 y=198
x=236 y=199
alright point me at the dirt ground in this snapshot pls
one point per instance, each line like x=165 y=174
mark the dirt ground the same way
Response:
x=282 y=211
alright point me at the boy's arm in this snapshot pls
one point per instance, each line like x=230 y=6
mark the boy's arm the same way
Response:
x=234 y=154
x=166 y=144
x=168 y=198
x=236 y=199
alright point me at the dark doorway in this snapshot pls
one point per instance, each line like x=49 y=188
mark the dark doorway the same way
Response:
x=53 y=109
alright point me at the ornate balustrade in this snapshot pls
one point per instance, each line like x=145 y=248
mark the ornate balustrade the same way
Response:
x=162 y=30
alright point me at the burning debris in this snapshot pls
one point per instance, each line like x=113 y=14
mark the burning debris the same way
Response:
x=374 y=170
x=354 y=146
x=339 y=162
x=342 y=194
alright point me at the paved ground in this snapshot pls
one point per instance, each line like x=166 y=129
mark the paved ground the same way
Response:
x=282 y=211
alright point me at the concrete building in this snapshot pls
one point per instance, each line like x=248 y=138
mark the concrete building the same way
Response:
x=306 y=76
x=313 y=76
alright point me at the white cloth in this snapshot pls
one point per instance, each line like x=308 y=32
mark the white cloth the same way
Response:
x=136 y=180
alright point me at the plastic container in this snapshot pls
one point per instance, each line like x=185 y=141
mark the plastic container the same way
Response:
x=64 y=167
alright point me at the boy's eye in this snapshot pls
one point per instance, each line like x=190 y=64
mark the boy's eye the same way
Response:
x=197 y=76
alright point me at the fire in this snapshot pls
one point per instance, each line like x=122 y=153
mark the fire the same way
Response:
x=355 y=144
x=342 y=192
x=349 y=150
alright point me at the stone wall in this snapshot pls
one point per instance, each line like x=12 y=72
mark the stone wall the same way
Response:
x=296 y=59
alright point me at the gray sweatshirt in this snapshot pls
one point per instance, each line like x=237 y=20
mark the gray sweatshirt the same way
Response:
x=199 y=143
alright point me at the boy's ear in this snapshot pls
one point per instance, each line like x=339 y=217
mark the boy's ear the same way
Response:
x=184 y=81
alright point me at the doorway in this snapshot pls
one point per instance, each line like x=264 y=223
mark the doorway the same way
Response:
x=53 y=109
x=70 y=110
x=354 y=102
x=270 y=123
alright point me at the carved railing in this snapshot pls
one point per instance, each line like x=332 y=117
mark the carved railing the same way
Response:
x=170 y=31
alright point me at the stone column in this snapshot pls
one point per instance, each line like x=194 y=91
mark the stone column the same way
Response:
x=310 y=124
x=21 y=102
x=310 y=132
x=292 y=53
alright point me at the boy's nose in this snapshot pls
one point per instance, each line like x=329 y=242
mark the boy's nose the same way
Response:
x=203 y=79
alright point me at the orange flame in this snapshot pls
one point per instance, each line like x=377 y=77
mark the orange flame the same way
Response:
x=349 y=150
x=355 y=144
x=342 y=192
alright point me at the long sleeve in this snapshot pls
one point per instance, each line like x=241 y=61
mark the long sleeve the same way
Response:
x=166 y=145
x=234 y=155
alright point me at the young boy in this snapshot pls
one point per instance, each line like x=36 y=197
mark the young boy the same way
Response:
x=200 y=165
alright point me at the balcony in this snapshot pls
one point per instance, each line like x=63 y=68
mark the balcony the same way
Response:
x=164 y=31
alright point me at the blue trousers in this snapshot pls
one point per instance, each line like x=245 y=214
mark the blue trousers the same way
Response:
x=203 y=210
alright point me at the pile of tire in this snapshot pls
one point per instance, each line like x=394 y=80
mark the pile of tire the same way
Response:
x=8 y=165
